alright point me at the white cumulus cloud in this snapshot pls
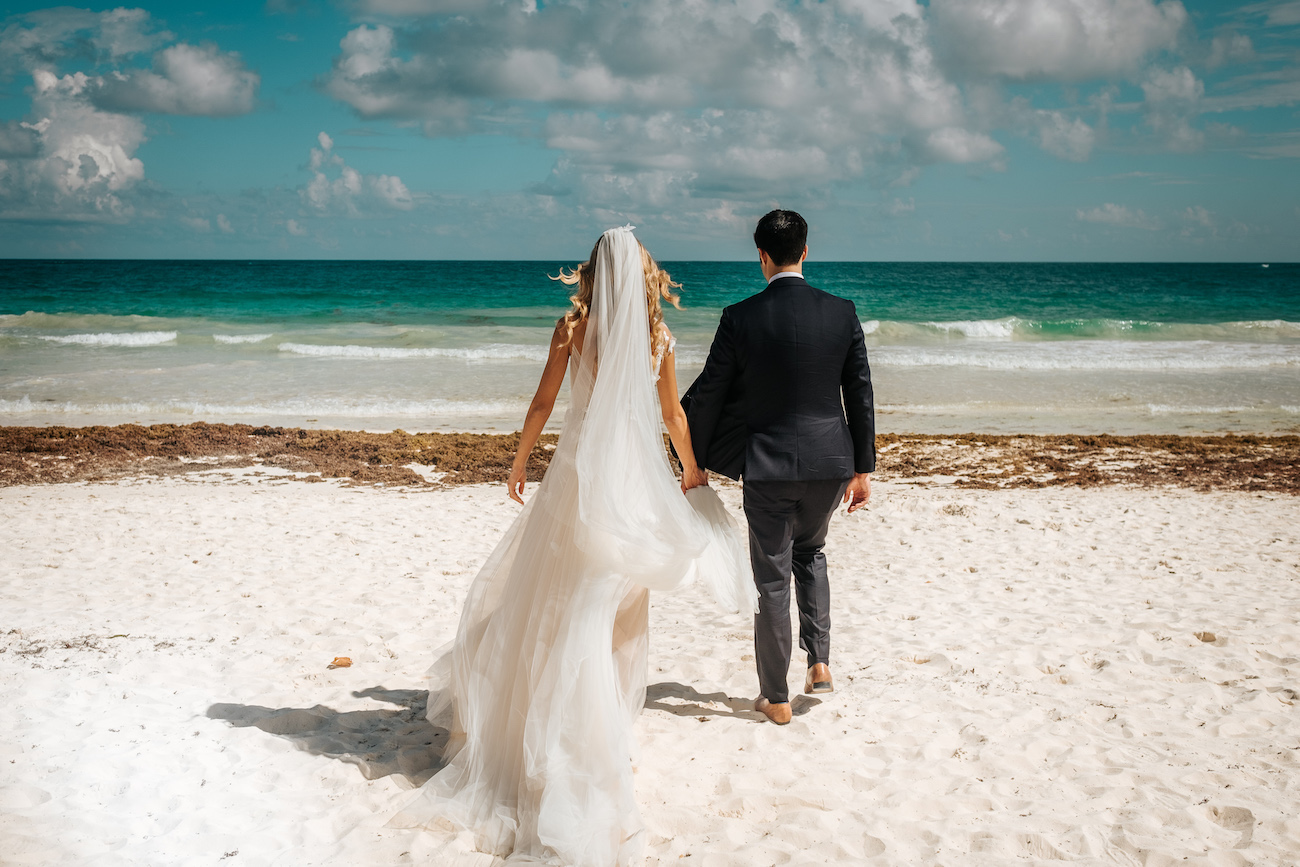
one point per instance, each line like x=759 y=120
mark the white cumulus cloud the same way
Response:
x=669 y=98
x=1199 y=215
x=39 y=39
x=1055 y=39
x=743 y=100
x=336 y=187
x=123 y=32
x=1276 y=13
x=1068 y=138
x=956 y=145
x=86 y=159
x=1172 y=101
x=18 y=139
x=185 y=79
x=72 y=158
x=899 y=207
x=1228 y=48
x=1118 y=215
x=390 y=190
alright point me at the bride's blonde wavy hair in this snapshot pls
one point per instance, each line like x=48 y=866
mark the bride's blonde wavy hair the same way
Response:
x=658 y=285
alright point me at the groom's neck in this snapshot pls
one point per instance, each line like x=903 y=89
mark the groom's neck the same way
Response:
x=771 y=269
x=770 y=272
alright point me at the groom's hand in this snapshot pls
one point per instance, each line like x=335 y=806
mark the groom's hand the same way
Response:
x=693 y=478
x=858 y=493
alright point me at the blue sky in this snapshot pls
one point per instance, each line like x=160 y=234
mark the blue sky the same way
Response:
x=1108 y=130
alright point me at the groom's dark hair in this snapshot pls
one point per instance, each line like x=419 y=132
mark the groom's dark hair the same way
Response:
x=782 y=235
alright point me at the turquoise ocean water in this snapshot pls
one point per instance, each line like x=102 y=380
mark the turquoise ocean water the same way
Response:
x=1122 y=348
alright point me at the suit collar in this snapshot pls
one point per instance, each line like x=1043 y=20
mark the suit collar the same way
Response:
x=783 y=282
x=780 y=274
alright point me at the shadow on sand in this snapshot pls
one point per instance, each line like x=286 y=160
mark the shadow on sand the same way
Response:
x=379 y=742
x=683 y=700
x=401 y=741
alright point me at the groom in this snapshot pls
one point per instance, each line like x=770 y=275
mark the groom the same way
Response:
x=785 y=401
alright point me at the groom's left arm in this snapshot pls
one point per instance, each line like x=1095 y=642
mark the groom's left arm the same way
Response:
x=859 y=400
x=859 y=408
x=709 y=392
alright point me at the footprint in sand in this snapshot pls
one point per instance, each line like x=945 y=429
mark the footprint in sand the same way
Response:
x=1235 y=819
x=20 y=797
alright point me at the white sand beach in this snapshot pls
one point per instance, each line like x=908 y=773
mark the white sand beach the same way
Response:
x=1099 y=676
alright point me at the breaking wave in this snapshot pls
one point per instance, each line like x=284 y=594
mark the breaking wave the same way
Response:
x=324 y=407
x=108 y=338
x=476 y=353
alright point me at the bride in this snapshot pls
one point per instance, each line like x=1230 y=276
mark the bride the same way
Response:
x=547 y=673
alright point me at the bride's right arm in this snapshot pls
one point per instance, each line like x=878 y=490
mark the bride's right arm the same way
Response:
x=540 y=409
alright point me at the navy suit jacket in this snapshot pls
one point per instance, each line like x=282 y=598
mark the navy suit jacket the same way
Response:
x=785 y=394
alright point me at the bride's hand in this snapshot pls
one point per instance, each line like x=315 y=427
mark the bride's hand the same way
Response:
x=515 y=484
x=693 y=478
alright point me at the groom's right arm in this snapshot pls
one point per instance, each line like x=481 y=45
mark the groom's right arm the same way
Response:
x=709 y=392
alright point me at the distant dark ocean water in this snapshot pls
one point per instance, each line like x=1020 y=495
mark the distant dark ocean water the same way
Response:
x=1013 y=347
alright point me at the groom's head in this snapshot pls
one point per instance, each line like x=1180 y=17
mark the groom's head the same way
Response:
x=783 y=237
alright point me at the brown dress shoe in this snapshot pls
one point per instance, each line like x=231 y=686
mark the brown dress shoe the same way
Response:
x=818 y=680
x=777 y=713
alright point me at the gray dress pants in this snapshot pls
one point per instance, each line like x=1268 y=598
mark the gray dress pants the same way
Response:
x=787 y=528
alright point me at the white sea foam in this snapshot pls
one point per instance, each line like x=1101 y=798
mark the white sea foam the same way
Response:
x=1033 y=330
x=131 y=338
x=1174 y=409
x=240 y=338
x=690 y=356
x=1061 y=407
x=1094 y=355
x=306 y=407
x=491 y=351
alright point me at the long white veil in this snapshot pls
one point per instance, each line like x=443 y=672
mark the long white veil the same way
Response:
x=631 y=511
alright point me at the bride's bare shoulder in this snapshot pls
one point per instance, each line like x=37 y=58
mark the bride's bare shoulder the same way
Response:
x=569 y=333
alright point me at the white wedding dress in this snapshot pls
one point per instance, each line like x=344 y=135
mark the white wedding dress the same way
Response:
x=547 y=673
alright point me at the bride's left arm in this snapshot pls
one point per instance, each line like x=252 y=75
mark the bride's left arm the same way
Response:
x=693 y=475
x=540 y=409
